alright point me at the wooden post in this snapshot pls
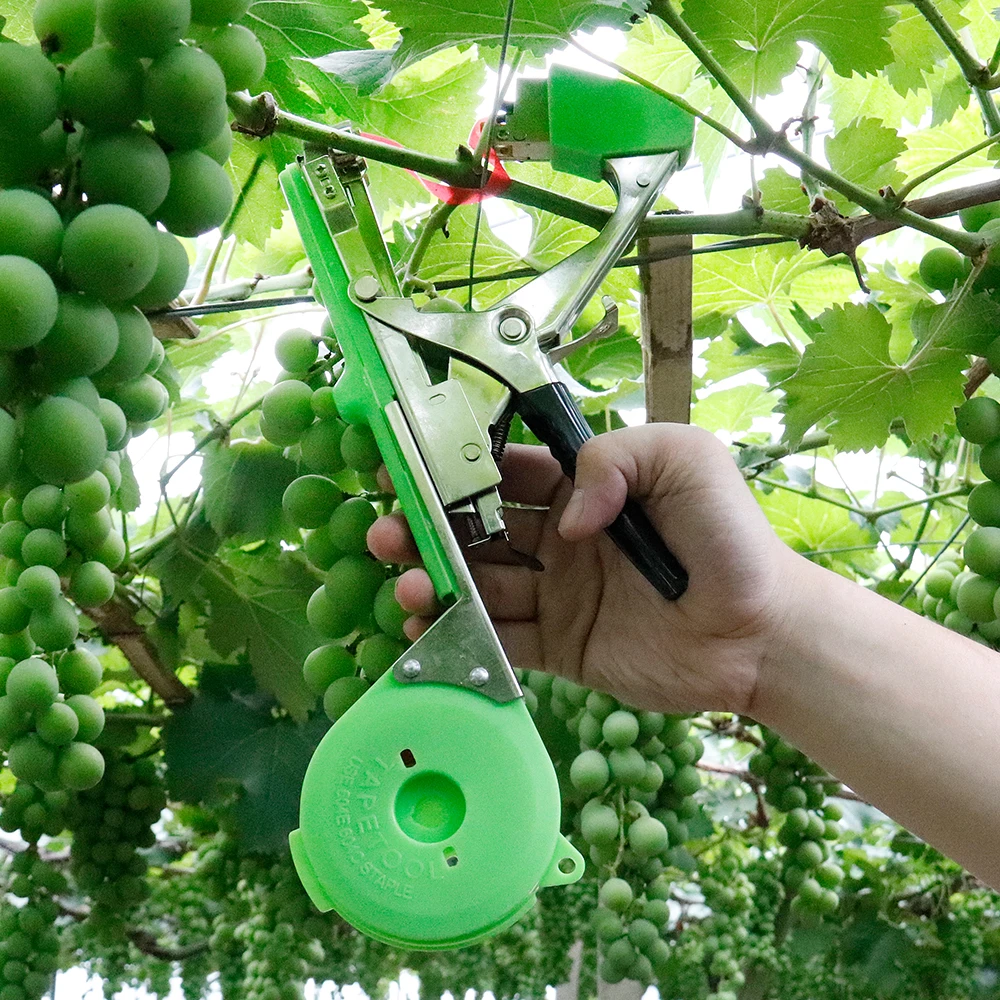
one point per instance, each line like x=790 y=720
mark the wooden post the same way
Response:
x=666 y=330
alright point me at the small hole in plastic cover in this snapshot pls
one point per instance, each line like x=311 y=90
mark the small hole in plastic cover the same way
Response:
x=567 y=866
x=450 y=857
x=407 y=757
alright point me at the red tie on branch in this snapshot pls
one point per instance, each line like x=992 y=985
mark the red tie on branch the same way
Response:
x=499 y=179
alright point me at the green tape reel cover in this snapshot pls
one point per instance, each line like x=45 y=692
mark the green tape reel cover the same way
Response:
x=430 y=817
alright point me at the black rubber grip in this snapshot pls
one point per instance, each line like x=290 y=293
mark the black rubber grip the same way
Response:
x=553 y=417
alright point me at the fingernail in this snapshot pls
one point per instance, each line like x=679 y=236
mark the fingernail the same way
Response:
x=572 y=513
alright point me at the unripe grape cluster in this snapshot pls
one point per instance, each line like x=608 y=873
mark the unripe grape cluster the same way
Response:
x=29 y=944
x=798 y=787
x=356 y=603
x=961 y=592
x=633 y=784
x=48 y=724
x=111 y=824
x=943 y=269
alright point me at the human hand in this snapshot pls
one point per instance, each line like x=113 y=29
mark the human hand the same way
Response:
x=590 y=616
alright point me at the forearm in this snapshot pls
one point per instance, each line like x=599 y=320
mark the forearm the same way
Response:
x=902 y=710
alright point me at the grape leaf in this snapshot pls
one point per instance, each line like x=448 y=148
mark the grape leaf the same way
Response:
x=782 y=192
x=969 y=327
x=737 y=352
x=364 y=70
x=659 y=56
x=928 y=147
x=732 y=409
x=848 y=378
x=865 y=153
x=304 y=29
x=213 y=744
x=127 y=498
x=258 y=601
x=916 y=47
x=430 y=25
x=809 y=525
x=859 y=96
x=259 y=202
x=758 y=42
x=15 y=23
x=244 y=483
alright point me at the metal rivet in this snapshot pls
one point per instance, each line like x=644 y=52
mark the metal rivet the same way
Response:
x=642 y=180
x=478 y=676
x=411 y=668
x=471 y=452
x=367 y=288
x=513 y=329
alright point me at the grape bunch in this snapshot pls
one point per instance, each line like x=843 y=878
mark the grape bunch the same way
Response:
x=961 y=592
x=29 y=946
x=33 y=812
x=632 y=786
x=356 y=603
x=799 y=788
x=111 y=823
x=48 y=724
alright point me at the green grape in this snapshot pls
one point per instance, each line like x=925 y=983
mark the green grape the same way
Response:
x=159 y=355
x=44 y=507
x=349 y=525
x=647 y=836
x=29 y=302
x=103 y=89
x=984 y=507
x=216 y=12
x=589 y=772
x=80 y=389
x=240 y=57
x=621 y=729
x=377 y=654
x=186 y=97
x=288 y=407
x=63 y=441
x=90 y=714
x=628 y=766
x=91 y=494
x=88 y=530
x=91 y=585
x=809 y=854
x=353 y=582
x=341 y=695
x=124 y=168
x=982 y=552
x=296 y=351
x=324 y=403
x=32 y=760
x=170 y=278
x=310 y=500
x=55 y=627
x=359 y=449
x=141 y=400
x=389 y=615
x=941 y=268
x=38 y=587
x=978 y=419
x=600 y=826
x=320 y=446
x=200 y=196
x=221 y=147
x=32 y=685
x=144 y=27
x=687 y=780
x=615 y=895
x=975 y=598
x=829 y=876
x=79 y=671
x=43 y=547
x=976 y=216
x=641 y=932
x=111 y=252
x=57 y=725
x=324 y=665
x=14 y=614
x=958 y=622
x=18 y=645
x=791 y=798
x=956 y=583
x=30 y=227
x=938 y=582
x=111 y=551
x=10 y=453
x=318 y=547
x=134 y=351
x=29 y=90
x=65 y=28
x=80 y=766
x=83 y=339
x=329 y=618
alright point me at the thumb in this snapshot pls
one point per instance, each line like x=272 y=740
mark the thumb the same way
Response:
x=644 y=462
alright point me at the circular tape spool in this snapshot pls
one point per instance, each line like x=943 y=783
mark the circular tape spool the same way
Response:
x=430 y=816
